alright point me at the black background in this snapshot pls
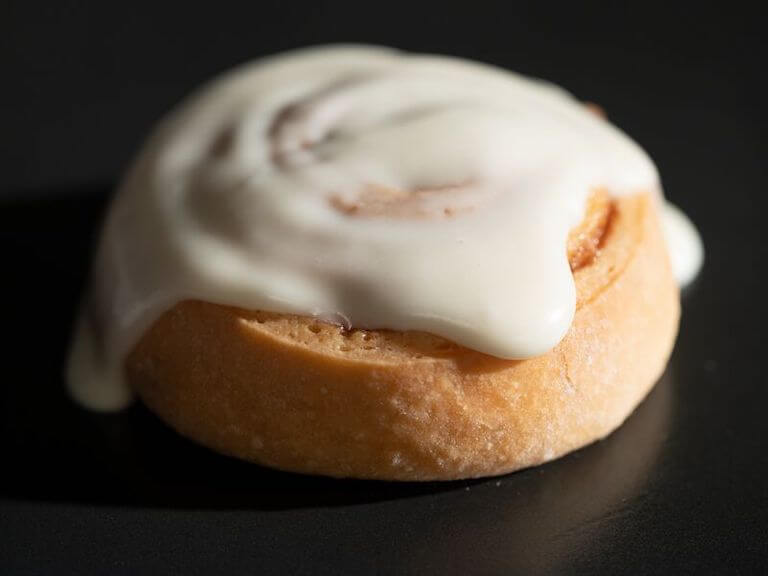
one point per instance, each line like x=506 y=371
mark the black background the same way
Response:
x=680 y=488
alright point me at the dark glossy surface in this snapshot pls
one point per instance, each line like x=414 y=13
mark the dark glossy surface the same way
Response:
x=680 y=488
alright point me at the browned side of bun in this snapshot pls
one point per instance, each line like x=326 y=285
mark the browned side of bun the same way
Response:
x=292 y=393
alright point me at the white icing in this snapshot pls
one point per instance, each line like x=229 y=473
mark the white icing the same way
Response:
x=236 y=199
x=686 y=251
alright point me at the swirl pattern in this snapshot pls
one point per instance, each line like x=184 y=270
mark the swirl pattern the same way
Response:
x=387 y=190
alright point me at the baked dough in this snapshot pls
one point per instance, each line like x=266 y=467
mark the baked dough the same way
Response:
x=297 y=394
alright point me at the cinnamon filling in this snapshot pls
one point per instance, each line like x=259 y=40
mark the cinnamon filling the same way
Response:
x=585 y=240
x=422 y=203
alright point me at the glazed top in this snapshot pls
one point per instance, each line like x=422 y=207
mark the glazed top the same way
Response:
x=360 y=185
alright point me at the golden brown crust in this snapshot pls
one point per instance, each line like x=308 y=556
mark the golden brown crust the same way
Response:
x=295 y=394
